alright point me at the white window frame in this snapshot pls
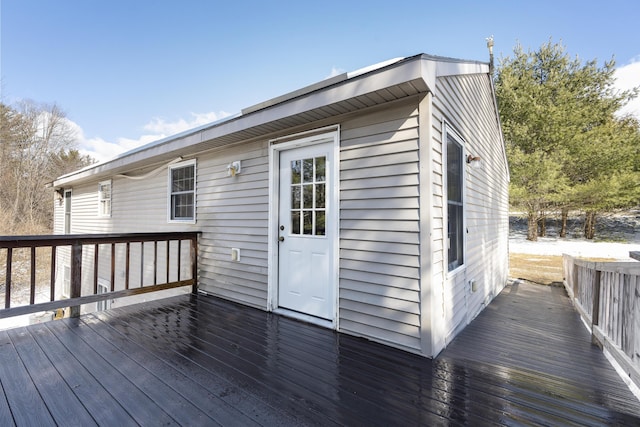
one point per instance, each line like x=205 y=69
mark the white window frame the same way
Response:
x=66 y=221
x=170 y=193
x=276 y=146
x=104 y=203
x=450 y=133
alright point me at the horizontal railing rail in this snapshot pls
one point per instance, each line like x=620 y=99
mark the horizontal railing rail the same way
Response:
x=85 y=249
x=607 y=296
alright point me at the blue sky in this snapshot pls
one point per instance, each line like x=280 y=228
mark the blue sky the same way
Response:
x=129 y=72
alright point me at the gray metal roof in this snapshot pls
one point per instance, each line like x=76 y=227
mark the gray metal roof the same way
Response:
x=344 y=93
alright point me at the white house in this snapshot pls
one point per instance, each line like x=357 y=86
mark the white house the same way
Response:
x=374 y=202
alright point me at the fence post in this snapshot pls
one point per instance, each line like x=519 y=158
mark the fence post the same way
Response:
x=76 y=276
x=595 y=311
x=7 y=283
x=194 y=263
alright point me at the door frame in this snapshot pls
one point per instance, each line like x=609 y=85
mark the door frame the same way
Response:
x=329 y=134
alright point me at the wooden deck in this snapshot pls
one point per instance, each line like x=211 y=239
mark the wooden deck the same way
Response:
x=197 y=360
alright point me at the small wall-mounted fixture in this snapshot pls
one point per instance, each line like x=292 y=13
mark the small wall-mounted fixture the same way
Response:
x=60 y=194
x=234 y=168
x=474 y=161
x=473 y=285
x=235 y=254
x=472 y=158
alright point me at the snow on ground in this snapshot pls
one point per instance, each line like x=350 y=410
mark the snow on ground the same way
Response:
x=574 y=247
x=616 y=236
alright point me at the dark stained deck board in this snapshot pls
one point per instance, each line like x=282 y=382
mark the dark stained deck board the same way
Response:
x=25 y=403
x=223 y=413
x=534 y=332
x=125 y=393
x=62 y=404
x=103 y=407
x=165 y=399
x=198 y=360
x=246 y=394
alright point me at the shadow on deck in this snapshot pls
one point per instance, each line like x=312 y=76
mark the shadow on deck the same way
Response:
x=197 y=360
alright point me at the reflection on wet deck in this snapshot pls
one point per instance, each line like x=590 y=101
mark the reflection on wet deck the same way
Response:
x=198 y=360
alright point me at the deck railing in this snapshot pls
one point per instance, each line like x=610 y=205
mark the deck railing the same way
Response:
x=607 y=296
x=164 y=251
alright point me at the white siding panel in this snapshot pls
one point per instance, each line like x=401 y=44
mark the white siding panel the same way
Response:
x=371 y=288
x=233 y=212
x=466 y=103
x=375 y=277
x=230 y=212
x=379 y=257
x=380 y=246
x=367 y=326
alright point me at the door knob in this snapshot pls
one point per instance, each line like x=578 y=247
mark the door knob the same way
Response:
x=281 y=238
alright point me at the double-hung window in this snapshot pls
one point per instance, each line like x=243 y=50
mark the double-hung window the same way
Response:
x=182 y=192
x=455 y=202
x=104 y=199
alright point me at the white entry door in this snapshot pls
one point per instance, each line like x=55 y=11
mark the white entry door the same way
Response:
x=305 y=233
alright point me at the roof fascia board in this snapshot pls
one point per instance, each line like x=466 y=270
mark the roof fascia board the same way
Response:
x=388 y=77
x=450 y=68
x=421 y=70
x=123 y=162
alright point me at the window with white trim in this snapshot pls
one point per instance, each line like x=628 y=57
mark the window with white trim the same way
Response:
x=182 y=192
x=67 y=211
x=104 y=199
x=455 y=202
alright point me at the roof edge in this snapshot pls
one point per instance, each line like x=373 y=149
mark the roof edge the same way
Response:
x=442 y=66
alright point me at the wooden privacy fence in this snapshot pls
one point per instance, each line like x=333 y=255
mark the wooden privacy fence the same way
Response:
x=165 y=252
x=607 y=296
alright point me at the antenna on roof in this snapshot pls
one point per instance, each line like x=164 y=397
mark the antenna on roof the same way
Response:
x=490 y=47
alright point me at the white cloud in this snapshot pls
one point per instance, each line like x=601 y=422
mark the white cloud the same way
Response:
x=162 y=127
x=157 y=129
x=628 y=77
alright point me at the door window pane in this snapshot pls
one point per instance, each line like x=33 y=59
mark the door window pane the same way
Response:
x=295 y=196
x=308 y=196
x=307 y=199
x=295 y=222
x=307 y=170
x=320 y=169
x=320 y=196
x=295 y=172
x=308 y=222
x=320 y=226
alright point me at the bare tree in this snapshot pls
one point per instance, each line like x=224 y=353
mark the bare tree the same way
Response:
x=34 y=139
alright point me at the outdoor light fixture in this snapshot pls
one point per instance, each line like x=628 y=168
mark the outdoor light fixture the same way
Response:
x=474 y=161
x=472 y=158
x=234 y=168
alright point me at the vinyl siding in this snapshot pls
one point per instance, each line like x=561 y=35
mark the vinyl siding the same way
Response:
x=379 y=225
x=233 y=212
x=137 y=206
x=466 y=104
